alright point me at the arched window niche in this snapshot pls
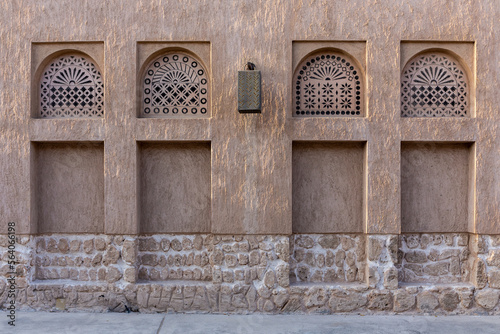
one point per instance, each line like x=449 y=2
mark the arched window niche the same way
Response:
x=175 y=84
x=434 y=84
x=328 y=83
x=71 y=86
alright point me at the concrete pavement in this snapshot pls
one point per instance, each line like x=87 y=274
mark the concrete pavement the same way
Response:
x=123 y=323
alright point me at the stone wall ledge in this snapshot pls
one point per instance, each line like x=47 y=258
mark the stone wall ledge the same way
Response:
x=436 y=285
x=179 y=282
x=359 y=286
x=66 y=282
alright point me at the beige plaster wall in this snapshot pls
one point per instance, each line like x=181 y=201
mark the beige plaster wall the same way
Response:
x=251 y=154
x=434 y=187
x=174 y=187
x=68 y=187
x=328 y=191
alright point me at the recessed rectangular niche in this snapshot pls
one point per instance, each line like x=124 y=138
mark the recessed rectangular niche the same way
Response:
x=328 y=187
x=68 y=184
x=435 y=187
x=175 y=187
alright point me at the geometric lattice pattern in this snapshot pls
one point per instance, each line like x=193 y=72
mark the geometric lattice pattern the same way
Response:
x=71 y=86
x=328 y=85
x=434 y=85
x=175 y=85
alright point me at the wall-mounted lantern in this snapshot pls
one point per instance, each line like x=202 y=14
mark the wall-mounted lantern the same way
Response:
x=249 y=86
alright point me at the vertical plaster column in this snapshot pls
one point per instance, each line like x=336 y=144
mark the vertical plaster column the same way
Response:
x=120 y=162
x=251 y=160
x=15 y=113
x=487 y=181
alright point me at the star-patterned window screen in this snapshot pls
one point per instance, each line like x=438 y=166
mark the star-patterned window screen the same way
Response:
x=328 y=84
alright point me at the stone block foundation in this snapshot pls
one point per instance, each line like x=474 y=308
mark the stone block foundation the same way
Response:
x=434 y=258
x=327 y=258
x=443 y=273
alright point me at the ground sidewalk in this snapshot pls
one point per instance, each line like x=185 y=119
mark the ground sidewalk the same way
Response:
x=123 y=323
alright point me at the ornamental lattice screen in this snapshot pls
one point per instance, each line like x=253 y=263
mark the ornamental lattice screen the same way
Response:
x=434 y=85
x=175 y=85
x=71 y=86
x=328 y=84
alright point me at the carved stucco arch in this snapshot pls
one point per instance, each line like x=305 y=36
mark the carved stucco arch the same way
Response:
x=71 y=85
x=328 y=83
x=434 y=83
x=175 y=84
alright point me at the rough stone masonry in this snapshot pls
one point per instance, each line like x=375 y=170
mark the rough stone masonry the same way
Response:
x=426 y=273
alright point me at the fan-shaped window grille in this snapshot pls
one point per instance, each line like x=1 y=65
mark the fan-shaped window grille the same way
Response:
x=71 y=86
x=175 y=85
x=328 y=84
x=434 y=85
